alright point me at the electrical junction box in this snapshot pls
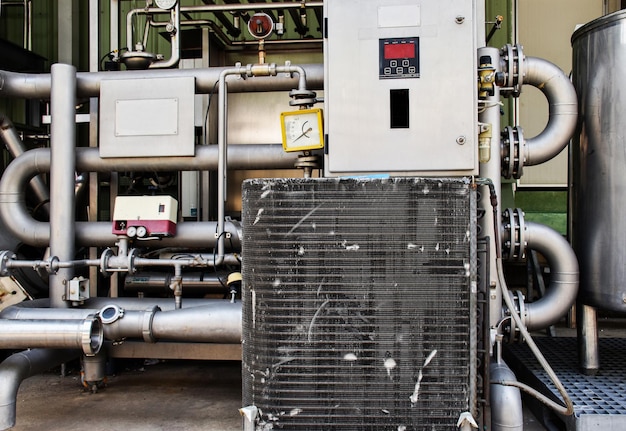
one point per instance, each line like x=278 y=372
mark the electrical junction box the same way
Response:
x=145 y=216
x=147 y=117
x=400 y=87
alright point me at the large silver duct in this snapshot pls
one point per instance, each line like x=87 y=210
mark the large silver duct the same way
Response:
x=37 y=86
x=563 y=110
x=17 y=368
x=62 y=182
x=563 y=288
x=191 y=234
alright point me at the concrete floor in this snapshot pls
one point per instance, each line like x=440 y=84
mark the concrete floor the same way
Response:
x=167 y=395
x=170 y=395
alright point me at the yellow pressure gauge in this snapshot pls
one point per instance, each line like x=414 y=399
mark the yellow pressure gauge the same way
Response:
x=302 y=130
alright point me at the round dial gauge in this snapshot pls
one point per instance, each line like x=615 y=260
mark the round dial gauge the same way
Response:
x=260 y=25
x=165 y=4
x=302 y=130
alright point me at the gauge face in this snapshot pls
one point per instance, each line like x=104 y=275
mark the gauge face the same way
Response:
x=165 y=4
x=302 y=130
x=260 y=25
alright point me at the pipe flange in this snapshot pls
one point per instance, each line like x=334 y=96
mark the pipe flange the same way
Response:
x=132 y=255
x=5 y=257
x=104 y=262
x=513 y=235
x=514 y=335
x=146 y=325
x=512 y=153
x=91 y=335
x=301 y=97
x=308 y=161
x=513 y=67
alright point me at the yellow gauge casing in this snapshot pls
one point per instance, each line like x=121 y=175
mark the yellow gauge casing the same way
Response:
x=302 y=130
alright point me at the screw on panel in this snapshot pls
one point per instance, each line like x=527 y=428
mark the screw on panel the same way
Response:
x=461 y=140
x=459 y=19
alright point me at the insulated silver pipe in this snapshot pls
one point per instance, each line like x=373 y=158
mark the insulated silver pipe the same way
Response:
x=85 y=334
x=219 y=322
x=18 y=367
x=191 y=234
x=206 y=321
x=16 y=148
x=37 y=86
x=563 y=110
x=563 y=288
x=490 y=114
x=506 y=401
x=62 y=183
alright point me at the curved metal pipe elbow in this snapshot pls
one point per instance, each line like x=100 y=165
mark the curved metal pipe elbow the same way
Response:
x=563 y=288
x=18 y=367
x=563 y=110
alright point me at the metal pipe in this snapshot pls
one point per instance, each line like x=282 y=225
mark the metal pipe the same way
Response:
x=588 y=347
x=16 y=148
x=86 y=334
x=200 y=234
x=563 y=110
x=563 y=288
x=37 y=86
x=506 y=401
x=201 y=321
x=18 y=367
x=490 y=114
x=222 y=140
x=62 y=168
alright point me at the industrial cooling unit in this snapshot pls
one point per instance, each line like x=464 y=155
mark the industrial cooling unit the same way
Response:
x=359 y=301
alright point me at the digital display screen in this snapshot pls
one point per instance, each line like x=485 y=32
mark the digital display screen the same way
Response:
x=394 y=51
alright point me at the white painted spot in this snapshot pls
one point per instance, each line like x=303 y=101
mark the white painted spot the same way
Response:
x=353 y=247
x=350 y=357
x=258 y=216
x=390 y=364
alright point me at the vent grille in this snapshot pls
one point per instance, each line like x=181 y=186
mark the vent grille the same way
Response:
x=359 y=311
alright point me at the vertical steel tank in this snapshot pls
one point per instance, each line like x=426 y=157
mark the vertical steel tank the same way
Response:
x=598 y=162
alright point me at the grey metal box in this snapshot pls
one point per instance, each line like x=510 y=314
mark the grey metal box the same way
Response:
x=147 y=117
x=400 y=87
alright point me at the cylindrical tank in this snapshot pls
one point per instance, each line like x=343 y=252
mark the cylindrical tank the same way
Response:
x=598 y=162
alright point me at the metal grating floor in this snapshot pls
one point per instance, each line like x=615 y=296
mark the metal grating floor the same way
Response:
x=600 y=400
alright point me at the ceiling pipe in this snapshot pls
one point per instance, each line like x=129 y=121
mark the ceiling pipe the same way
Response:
x=37 y=86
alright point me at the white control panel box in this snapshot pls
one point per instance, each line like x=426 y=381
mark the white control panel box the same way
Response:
x=147 y=117
x=400 y=87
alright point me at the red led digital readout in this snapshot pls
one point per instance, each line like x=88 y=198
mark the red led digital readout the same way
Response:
x=394 y=51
